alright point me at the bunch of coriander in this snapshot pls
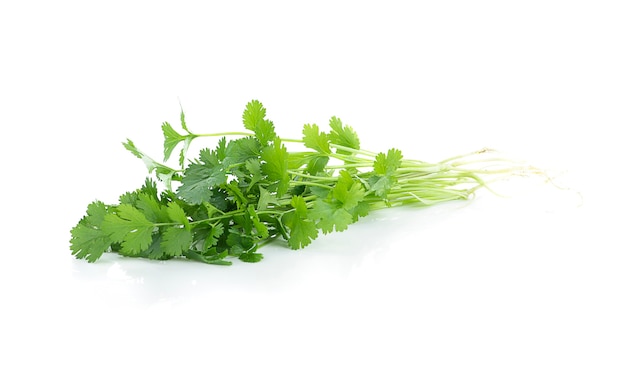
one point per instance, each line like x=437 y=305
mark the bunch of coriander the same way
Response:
x=251 y=189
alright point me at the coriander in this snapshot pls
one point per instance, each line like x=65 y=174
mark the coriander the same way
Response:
x=250 y=189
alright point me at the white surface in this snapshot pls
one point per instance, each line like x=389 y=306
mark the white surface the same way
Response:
x=522 y=291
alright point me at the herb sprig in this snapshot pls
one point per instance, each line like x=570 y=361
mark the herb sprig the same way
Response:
x=251 y=189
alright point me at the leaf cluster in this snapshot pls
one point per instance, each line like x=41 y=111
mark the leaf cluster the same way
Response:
x=249 y=189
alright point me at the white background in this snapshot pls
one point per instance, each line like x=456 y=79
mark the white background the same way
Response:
x=528 y=290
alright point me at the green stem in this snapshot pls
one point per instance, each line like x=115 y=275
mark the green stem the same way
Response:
x=350 y=165
x=336 y=146
x=466 y=155
x=309 y=183
x=223 y=134
x=355 y=151
x=313 y=177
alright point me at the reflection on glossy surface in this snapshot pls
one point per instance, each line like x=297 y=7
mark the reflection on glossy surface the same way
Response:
x=392 y=238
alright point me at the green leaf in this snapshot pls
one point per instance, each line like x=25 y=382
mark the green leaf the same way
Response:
x=343 y=135
x=264 y=132
x=132 y=148
x=302 y=230
x=320 y=192
x=171 y=140
x=155 y=251
x=316 y=164
x=343 y=207
x=237 y=196
x=239 y=243
x=209 y=157
x=348 y=191
x=151 y=208
x=241 y=150
x=265 y=199
x=219 y=199
x=129 y=198
x=254 y=171
x=150 y=163
x=254 y=120
x=260 y=226
x=88 y=241
x=381 y=185
x=200 y=178
x=330 y=216
x=183 y=151
x=129 y=227
x=163 y=172
x=253 y=114
x=316 y=140
x=360 y=210
x=275 y=166
x=212 y=236
x=149 y=188
x=176 y=240
x=177 y=214
x=386 y=164
x=211 y=257
x=251 y=257
x=183 y=123
x=221 y=149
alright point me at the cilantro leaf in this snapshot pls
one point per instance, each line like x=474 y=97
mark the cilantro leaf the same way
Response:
x=212 y=257
x=240 y=243
x=212 y=236
x=250 y=257
x=381 y=185
x=129 y=227
x=241 y=150
x=314 y=139
x=151 y=208
x=132 y=148
x=163 y=172
x=253 y=114
x=275 y=166
x=155 y=250
x=265 y=199
x=264 y=132
x=177 y=214
x=302 y=230
x=343 y=207
x=330 y=216
x=176 y=240
x=360 y=210
x=254 y=120
x=236 y=194
x=317 y=164
x=260 y=227
x=253 y=166
x=172 y=139
x=200 y=177
x=149 y=187
x=386 y=164
x=343 y=135
x=88 y=240
x=221 y=149
x=348 y=192
x=385 y=167
x=183 y=123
